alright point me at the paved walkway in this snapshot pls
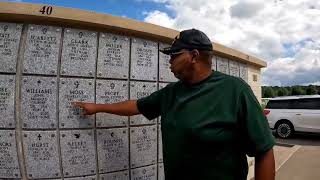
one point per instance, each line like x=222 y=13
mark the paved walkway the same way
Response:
x=304 y=164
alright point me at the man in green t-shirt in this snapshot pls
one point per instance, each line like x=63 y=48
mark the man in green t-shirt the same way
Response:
x=210 y=121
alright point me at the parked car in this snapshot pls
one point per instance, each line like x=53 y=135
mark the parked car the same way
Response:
x=291 y=114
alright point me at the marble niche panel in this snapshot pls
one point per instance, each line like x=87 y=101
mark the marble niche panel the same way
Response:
x=234 y=68
x=113 y=149
x=79 y=53
x=41 y=151
x=120 y=175
x=75 y=90
x=222 y=65
x=144 y=60
x=78 y=152
x=111 y=91
x=113 y=56
x=39 y=95
x=9 y=166
x=139 y=90
x=145 y=173
x=165 y=73
x=244 y=72
x=7 y=98
x=143 y=145
x=42 y=50
x=10 y=34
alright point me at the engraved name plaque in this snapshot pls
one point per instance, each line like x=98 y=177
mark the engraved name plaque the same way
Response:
x=160 y=152
x=121 y=175
x=144 y=59
x=222 y=65
x=82 y=178
x=214 y=63
x=39 y=102
x=234 y=68
x=165 y=73
x=41 y=150
x=160 y=171
x=72 y=90
x=113 y=56
x=111 y=91
x=78 y=152
x=143 y=144
x=145 y=173
x=113 y=149
x=10 y=34
x=244 y=72
x=9 y=167
x=79 y=53
x=140 y=90
x=7 y=95
x=42 y=50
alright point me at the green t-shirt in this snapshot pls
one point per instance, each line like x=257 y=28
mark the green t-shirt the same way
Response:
x=208 y=128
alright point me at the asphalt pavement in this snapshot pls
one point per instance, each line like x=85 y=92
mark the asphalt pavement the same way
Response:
x=303 y=164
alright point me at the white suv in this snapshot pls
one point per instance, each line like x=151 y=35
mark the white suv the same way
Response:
x=293 y=113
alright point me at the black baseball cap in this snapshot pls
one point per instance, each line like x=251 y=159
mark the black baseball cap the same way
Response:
x=189 y=39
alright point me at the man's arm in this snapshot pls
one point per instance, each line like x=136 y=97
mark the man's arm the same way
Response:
x=264 y=166
x=125 y=108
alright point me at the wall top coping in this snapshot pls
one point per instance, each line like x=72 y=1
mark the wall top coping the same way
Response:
x=75 y=18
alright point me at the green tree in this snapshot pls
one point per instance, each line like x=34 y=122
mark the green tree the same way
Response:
x=268 y=92
x=311 y=90
x=297 y=90
x=283 y=91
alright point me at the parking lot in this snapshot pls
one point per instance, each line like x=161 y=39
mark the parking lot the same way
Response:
x=297 y=158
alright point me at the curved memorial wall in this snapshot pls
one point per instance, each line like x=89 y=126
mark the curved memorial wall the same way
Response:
x=48 y=62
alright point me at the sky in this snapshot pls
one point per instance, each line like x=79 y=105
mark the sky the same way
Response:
x=283 y=33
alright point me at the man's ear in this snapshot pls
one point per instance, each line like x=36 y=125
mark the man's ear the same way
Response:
x=195 y=54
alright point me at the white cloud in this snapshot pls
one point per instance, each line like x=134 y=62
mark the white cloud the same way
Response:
x=257 y=27
x=159 y=17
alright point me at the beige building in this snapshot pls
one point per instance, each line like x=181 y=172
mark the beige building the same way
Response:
x=51 y=56
x=75 y=18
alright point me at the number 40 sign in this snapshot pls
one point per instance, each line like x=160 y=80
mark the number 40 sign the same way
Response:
x=46 y=10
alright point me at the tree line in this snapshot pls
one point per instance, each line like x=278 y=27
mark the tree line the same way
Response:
x=275 y=91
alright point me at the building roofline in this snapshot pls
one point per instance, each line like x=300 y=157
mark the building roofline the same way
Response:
x=76 y=18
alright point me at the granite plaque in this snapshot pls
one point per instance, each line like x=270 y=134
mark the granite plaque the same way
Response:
x=160 y=152
x=111 y=91
x=82 y=178
x=7 y=96
x=139 y=90
x=234 y=68
x=121 y=175
x=10 y=34
x=160 y=171
x=78 y=152
x=38 y=102
x=75 y=90
x=113 y=149
x=41 y=152
x=143 y=145
x=144 y=59
x=145 y=173
x=161 y=85
x=42 y=50
x=244 y=72
x=113 y=56
x=165 y=73
x=9 y=166
x=222 y=65
x=214 y=63
x=79 y=53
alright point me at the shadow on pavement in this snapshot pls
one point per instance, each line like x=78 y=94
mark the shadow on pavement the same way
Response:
x=304 y=139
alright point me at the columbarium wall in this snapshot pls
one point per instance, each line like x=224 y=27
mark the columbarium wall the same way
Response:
x=46 y=67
